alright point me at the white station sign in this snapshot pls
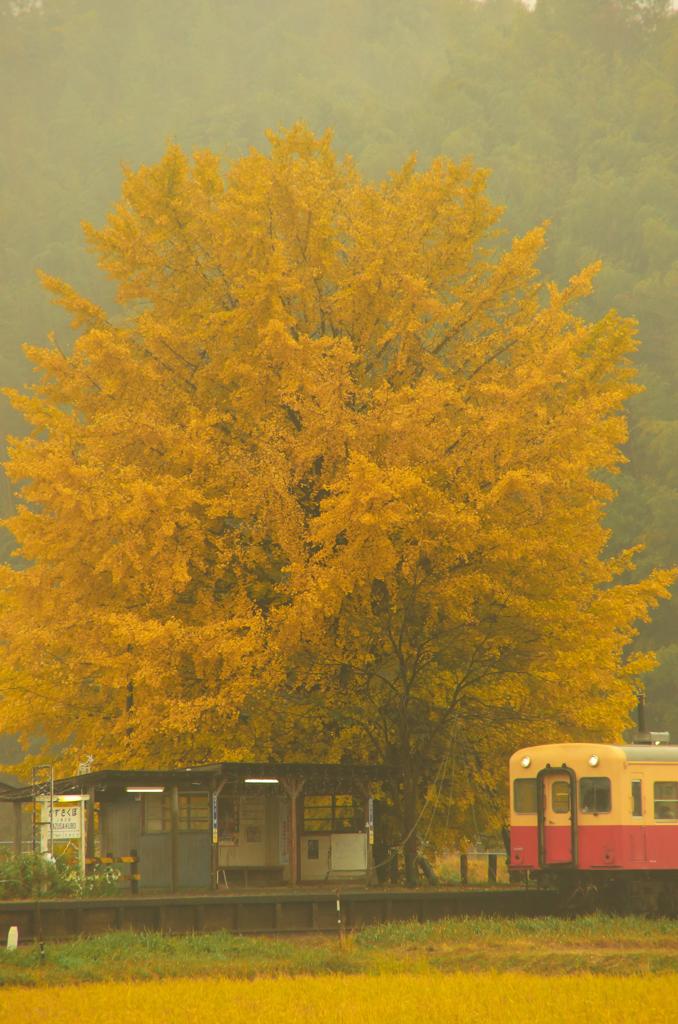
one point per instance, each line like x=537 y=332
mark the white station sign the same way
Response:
x=66 y=821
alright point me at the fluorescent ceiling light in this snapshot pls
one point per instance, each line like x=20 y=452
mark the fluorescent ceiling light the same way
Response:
x=271 y=781
x=145 y=789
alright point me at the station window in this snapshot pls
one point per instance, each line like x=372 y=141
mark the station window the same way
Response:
x=560 y=797
x=636 y=798
x=318 y=814
x=338 y=813
x=228 y=818
x=157 y=812
x=666 y=801
x=525 y=796
x=313 y=849
x=194 y=812
x=595 y=795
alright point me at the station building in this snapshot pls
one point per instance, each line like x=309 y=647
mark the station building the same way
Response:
x=218 y=825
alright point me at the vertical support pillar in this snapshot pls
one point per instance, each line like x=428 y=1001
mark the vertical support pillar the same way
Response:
x=89 y=826
x=293 y=788
x=294 y=834
x=214 y=838
x=174 y=838
x=134 y=872
x=364 y=788
x=215 y=793
x=17 y=827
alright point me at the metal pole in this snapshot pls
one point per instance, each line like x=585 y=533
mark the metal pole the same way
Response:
x=174 y=837
x=90 y=810
x=42 y=785
x=642 y=728
x=17 y=827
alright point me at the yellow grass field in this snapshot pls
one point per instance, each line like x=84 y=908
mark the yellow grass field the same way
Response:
x=386 y=999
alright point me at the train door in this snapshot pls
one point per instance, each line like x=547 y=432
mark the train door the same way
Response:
x=557 y=816
x=637 y=833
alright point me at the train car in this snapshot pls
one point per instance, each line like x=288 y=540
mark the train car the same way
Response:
x=598 y=820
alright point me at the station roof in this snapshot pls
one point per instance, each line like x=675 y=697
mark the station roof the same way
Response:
x=318 y=778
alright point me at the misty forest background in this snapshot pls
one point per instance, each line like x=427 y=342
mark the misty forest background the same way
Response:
x=573 y=106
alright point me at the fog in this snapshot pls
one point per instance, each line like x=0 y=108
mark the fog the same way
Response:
x=571 y=105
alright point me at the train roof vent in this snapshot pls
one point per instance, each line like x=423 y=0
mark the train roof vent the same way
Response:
x=651 y=739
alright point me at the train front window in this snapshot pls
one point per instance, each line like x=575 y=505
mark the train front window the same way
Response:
x=525 y=796
x=666 y=801
x=595 y=796
x=560 y=797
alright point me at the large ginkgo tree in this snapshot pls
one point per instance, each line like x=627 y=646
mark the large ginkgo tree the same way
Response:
x=327 y=484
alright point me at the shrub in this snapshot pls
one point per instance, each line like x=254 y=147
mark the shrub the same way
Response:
x=33 y=874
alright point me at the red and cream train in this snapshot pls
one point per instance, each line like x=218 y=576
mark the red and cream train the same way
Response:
x=598 y=819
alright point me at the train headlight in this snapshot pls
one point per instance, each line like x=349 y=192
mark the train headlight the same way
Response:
x=526 y=761
x=594 y=760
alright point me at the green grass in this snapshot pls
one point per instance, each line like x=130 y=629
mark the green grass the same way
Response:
x=549 y=946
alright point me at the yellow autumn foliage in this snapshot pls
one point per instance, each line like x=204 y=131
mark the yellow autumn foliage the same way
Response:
x=397 y=999
x=330 y=483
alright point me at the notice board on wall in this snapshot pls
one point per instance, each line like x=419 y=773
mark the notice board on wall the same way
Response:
x=252 y=819
x=348 y=851
x=228 y=820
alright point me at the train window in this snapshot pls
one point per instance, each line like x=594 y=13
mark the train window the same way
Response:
x=525 y=796
x=560 y=797
x=594 y=795
x=637 y=798
x=666 y=801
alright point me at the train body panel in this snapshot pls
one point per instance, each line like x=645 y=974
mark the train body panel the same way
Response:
x=585 y=807
x=599 y=847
